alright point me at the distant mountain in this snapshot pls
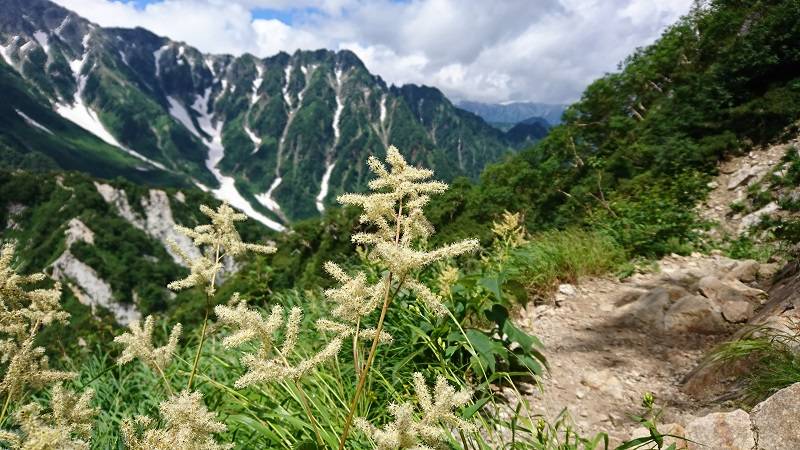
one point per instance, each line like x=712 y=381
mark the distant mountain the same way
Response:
x=277 y=137
x=515 y=112
x=528 y=131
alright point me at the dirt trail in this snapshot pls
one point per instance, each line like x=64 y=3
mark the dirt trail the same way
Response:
x=604 y=354
x=601 y=366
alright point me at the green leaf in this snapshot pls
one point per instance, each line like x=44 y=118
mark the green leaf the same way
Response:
x=531 y=364
x=526 y=341
x=492 y=285
x=487 y=348
x=469 y=412
x=497 y=314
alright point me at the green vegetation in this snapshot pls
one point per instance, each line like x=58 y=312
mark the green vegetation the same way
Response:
x=769 y=358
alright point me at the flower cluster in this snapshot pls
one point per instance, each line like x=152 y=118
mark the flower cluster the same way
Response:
x=510 y=230
x=23 y=311
x=139 y=344
x=426 y=432
x=68 y=426
x=395 y=211
x=269 y=362
x=216 y=240
x=188 y=425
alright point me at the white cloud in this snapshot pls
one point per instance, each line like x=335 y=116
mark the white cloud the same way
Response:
x=547 y=50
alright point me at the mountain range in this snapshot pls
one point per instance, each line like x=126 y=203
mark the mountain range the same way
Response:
x=276 y=137
x=511 y=113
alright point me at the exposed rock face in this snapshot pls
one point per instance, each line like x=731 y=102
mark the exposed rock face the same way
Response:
x=776 y=420
x=160 y=224
x=754 y=218
x=729 y=431
x=77 y=231
x=93 y=290
x=118 y=198
x=158 y=221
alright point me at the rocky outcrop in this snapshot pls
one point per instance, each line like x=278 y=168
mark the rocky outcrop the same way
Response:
x=119 y=199
x=722 y=430
x=157 y=222
x=771 y=425
x=705 y=296
x=160 y=224
x=77 y=231
x=776 y=420
x=91 y=289
x=737 y=174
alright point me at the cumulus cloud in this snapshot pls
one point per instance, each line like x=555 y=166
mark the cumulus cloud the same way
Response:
x=512 y=50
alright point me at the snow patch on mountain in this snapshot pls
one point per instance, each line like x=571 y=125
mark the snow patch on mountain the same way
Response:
x=227 y=190
x=266 y=199
x=323 y=190
x=253 y=137
x=337 y=115
x=286 y=96
x=383 y=108
x=5 y=52
x=257 y=84
x=157 y=58
x=41 y=38
x=85 y=117
x=32 y=122
x=179 y=112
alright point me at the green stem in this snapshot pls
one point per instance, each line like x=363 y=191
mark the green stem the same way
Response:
x=365 y=371
x=314 y=424
x=205 y=323
x=5 y=407
x=166 y=382
x=199 y=349
x=387 y=300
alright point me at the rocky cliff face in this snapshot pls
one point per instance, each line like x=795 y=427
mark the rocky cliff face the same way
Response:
x=110 y=242
x=277 y=137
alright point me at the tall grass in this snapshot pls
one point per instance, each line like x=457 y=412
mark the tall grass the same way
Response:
x=554 y=257
x=771 y=358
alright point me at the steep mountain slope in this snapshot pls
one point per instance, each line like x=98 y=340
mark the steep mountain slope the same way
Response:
x=514 y=112
x=277 y=137
x=107 y=241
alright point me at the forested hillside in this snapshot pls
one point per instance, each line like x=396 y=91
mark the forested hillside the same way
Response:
x=633 y=157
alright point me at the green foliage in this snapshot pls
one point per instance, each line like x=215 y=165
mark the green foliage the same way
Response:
x=769 y=356
x=633 y=155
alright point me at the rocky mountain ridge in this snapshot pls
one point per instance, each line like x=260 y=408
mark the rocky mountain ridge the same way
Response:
x=276 y=137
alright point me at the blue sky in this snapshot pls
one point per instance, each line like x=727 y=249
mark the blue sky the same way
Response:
x=510 y=50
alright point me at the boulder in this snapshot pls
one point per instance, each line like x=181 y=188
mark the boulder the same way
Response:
x=604 y=381
x=741 y=176
x=737 y=311
x=567 y=290
x=745 y=271
x=628 y=295
x=694 y=313
x=776 y=420
x=722 y=291
x=754 y=218
x=729 y=431
x=648 y=310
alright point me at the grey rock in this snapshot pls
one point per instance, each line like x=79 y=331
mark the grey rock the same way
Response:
x=722 y=291
x=737 y=311
x=729 y=431
x=746 y=271
x=776 y=420
x=694 y=313
x=754 y=218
